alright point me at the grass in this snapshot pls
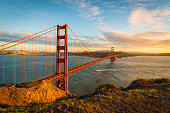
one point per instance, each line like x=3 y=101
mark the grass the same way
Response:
x=141 y=96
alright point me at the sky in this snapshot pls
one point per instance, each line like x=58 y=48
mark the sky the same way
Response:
x=127 y=25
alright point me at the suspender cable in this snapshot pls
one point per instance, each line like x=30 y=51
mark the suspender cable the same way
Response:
x=32 y=60
x=45 y=55
x=39 y=57
x=25 y=65
x=50 y=53
x=36 y=58
x=29 y=64
x=3 y=65
x=22 y=63
x=15 y=65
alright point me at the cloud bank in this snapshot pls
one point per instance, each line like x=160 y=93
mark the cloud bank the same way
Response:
x=7 y=37
x=137 y=40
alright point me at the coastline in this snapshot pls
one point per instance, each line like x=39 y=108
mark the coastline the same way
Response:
x=141 y=96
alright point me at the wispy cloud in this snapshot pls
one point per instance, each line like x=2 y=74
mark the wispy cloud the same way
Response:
x=127 y=5
x=102 y=38
x=134 y=4
x=85 y=8
x=85 y=37
x=157 y=19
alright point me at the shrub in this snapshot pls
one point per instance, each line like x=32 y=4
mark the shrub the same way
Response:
x=162 y=81
x=140 y=83
x=107 y=88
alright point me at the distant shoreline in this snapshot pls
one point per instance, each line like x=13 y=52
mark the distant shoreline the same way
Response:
x=100 y=54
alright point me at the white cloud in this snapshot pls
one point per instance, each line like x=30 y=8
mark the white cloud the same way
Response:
x=158 y=19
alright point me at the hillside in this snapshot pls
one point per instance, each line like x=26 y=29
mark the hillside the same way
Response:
x=141 y=96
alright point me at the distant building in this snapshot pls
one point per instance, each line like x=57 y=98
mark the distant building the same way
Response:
x=18 y=52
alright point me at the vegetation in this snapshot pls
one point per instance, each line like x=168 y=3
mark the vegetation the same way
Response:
x=141 y=96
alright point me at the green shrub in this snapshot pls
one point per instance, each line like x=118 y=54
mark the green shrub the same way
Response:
x=107 y=88
x=142 y=83
x=162 y=81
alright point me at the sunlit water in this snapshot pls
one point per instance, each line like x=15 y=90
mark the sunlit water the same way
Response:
x=120 y=72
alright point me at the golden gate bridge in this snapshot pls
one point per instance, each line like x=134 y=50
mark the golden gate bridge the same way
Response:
x=60 y=48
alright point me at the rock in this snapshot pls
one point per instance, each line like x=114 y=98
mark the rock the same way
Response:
x=23 y=94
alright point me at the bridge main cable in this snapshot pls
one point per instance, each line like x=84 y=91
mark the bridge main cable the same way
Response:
x=82 y=42
x=25 y=38
x=81 y=47
x=28 y=40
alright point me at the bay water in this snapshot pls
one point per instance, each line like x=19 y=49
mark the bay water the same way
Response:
x=120 y=72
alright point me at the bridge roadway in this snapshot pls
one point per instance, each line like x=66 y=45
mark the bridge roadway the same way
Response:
x=54 y=77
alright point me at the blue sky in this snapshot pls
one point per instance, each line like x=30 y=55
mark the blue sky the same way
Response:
x=128 y=25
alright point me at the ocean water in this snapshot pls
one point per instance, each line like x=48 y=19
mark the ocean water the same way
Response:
x=120 y=72
x=29 y=68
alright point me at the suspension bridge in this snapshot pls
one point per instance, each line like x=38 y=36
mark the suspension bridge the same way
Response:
x=51 y=54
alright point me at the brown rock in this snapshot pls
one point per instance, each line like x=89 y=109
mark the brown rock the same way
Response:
x=23 y=94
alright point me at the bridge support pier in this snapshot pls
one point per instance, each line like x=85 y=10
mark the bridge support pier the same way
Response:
x=62 y=84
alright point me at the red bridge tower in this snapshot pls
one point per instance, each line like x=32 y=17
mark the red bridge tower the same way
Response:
x=63 y=83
